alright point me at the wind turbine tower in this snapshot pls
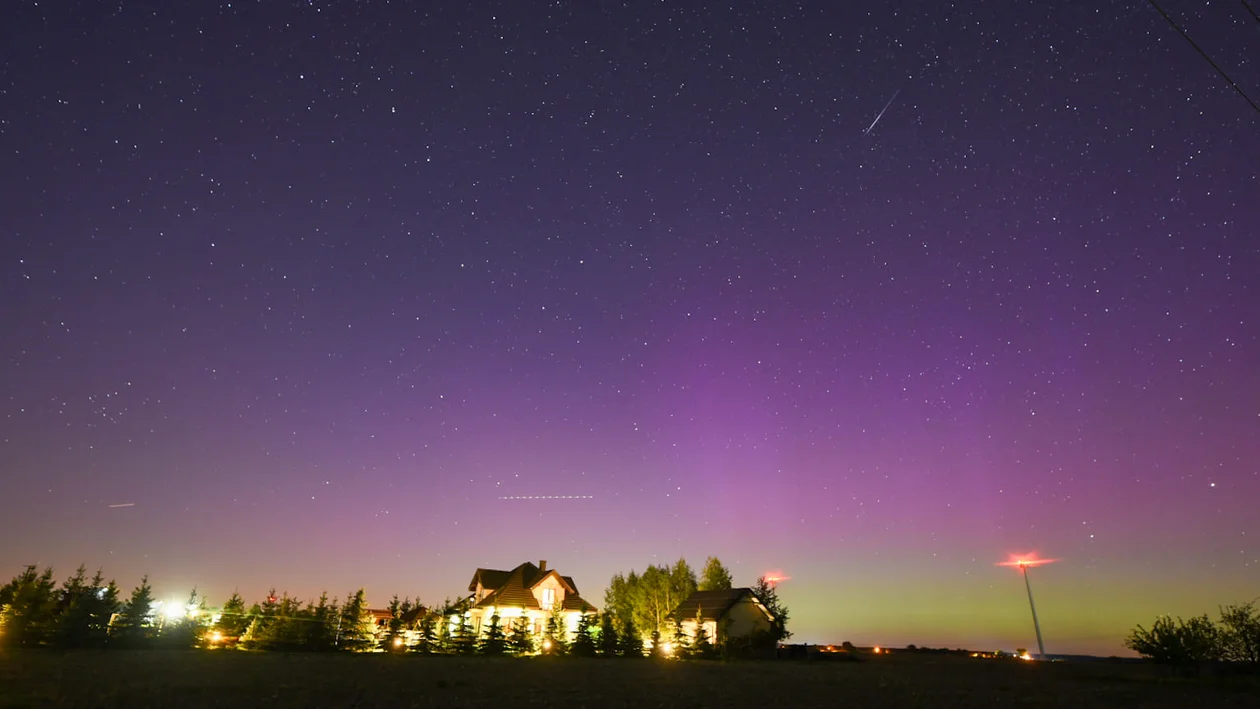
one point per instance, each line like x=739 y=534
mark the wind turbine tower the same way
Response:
x=1024 y=562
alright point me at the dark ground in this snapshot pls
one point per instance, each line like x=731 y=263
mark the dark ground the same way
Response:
x=194 y=679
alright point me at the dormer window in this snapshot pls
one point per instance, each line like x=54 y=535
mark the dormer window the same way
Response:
x=548 y=598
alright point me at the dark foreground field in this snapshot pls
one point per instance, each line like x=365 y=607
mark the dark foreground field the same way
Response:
x=189 y=680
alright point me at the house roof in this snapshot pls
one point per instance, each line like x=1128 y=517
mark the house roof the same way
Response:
x=515 y=588
x=712 y=605
x=414 y=614
x=530 y=576
x=574 y=602
x=490 y=578
x=566 y=581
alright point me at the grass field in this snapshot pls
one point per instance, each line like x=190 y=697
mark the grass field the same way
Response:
x=191 y=680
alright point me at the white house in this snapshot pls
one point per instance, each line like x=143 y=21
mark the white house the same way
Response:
x=527 y=590
x=726 y=614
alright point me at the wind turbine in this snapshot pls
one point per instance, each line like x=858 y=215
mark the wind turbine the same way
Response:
x=1023 y=562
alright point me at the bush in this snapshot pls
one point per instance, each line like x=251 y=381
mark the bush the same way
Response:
x=1240 y=634
x=1191 y=644
x=1185 y=644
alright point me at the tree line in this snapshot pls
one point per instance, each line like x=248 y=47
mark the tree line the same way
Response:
x=643 y=603
x=85 y=612
x=90 y=613
x=1194 y=644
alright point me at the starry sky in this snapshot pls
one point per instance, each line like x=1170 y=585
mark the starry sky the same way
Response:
x=334 y=294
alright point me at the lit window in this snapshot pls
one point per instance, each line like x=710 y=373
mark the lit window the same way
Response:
x=548 y=598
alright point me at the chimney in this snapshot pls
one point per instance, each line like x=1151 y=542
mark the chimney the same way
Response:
x=542 y=565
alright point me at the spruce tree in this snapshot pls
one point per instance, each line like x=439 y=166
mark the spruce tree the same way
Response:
x=584 y=639
x=308 y=629
x=492 y=641
x=321 y=631
x=463 y=640
x=290 y=626
x=73 y=618
x=765 y=592
x=252 y=616
x=271 y=605
x=631 y=644
x=444 y=645
x=429 y=641
x=29 y=608
x=391 y=641
x=70 y=589
x=405 y=635
x=253 y=630
x=555 y=640
x=609 y=643
x=189 y=628
x=233 y=621
x=355 y=633
x=657 y=650
x=263 y=619
x=521 y=641
x=258 y=632
x=679 y=639
x=134 y=627
x=701 y=645
x=101 y=601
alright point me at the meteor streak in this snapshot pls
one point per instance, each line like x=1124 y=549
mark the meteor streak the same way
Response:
x=547 y=497
x=881 y=113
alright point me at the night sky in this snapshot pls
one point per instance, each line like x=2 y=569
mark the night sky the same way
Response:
x=335 y=294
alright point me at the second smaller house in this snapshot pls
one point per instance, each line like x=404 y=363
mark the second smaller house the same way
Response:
x=381 y=618
x=727 y=614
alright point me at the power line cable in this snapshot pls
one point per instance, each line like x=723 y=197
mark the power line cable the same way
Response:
x=1204 y=54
